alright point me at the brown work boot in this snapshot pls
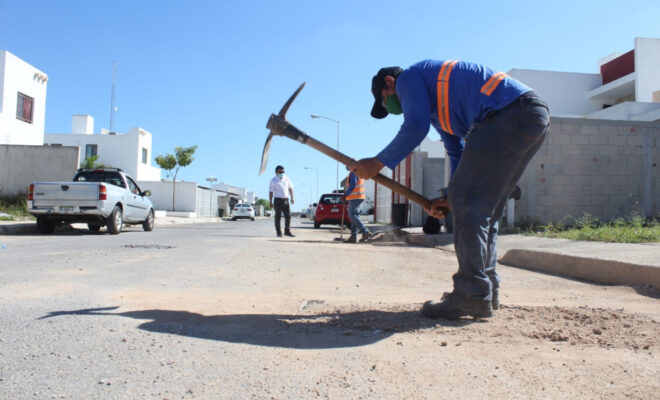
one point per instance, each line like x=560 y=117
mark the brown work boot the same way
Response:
x=455 y=305
x=351 y=239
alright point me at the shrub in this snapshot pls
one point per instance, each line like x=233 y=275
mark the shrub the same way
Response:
x=14 y=205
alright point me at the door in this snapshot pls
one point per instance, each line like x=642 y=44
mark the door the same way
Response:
x=136 y=207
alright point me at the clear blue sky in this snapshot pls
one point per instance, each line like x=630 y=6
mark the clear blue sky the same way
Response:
x=209 y=73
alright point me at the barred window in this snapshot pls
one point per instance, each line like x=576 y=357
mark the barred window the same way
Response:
x=24 y=108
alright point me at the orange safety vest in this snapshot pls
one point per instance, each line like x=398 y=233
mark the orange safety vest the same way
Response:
x=358 y=191
x=443 y=92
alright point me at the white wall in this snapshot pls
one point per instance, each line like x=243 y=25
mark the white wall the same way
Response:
x=565 y=92
x=383 y=200
x=18 y=76
x=119 y=150
x=82 y=124
x=647 y=67
x=433 y=148
x=631 y=111
x=109 y=147
x=416 y=213
x=161 y=195
x=146 y=172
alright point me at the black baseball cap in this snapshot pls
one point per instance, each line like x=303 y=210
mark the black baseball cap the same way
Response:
x=377 y=86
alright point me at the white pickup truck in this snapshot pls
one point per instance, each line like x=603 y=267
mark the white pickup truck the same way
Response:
x=99 y=197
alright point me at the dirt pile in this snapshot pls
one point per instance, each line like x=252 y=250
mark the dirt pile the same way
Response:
x=576 y=326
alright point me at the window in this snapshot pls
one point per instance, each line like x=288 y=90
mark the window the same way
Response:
x=110 y=177
x=331 y=199
x=24 y=108
x=132 y=186
x=90 y=150
x=145 y=157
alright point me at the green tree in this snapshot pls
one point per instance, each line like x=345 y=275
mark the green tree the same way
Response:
x=182 y=157
x=264 y=203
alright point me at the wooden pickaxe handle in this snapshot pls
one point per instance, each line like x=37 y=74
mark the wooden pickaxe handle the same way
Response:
x=296 y=134
x=380 y=178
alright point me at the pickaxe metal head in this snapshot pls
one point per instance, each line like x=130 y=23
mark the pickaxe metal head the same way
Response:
x=278 y=126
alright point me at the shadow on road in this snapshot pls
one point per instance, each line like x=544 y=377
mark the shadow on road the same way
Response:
x=317 y=331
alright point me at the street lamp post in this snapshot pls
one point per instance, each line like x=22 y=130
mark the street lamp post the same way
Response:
x=317 y=180
x=211 y=179
x=336 y=122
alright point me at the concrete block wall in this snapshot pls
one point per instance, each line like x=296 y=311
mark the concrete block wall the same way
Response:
x=20 y=165
x=605 y=168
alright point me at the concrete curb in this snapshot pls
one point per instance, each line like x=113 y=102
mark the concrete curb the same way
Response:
x=18 y=228
x=600 y=262
x=592 y=269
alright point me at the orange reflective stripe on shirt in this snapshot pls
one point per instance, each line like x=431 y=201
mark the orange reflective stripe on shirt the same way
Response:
x=443 y=95
x=492 y=83
x=358 y=191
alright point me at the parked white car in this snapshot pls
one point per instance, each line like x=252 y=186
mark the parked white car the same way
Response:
x=242 y=210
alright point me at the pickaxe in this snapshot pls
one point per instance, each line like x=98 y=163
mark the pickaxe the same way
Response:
x=278 y=125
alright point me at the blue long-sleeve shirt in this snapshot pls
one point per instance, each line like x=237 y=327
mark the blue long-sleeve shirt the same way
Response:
x=416 y=88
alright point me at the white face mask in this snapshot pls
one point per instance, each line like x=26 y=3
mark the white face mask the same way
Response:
x=280 y=175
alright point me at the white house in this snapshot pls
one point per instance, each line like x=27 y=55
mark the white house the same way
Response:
x=627 y=86
x=130 y=151
x=22 y=101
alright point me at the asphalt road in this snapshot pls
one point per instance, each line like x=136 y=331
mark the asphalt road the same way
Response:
x=62 y=330
x=227 y=310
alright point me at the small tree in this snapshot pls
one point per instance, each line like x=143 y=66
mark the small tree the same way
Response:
x=264 y=203
x=182 y=157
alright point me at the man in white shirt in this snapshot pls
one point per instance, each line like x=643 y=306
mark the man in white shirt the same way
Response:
x=281 y=189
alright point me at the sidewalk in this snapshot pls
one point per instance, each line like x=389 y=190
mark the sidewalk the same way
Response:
x=606 y=263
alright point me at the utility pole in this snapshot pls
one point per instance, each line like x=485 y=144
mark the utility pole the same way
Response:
x=336 y=122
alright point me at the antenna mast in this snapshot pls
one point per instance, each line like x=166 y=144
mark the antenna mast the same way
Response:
x=112 y=97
